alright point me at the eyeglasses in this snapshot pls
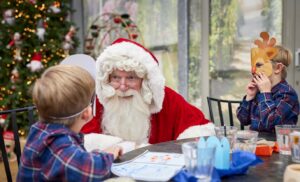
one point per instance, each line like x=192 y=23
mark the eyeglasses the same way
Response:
x=128 y=80
x=92 y=104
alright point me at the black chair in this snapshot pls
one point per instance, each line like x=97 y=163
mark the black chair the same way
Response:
x=226 y=109
x=12 y=117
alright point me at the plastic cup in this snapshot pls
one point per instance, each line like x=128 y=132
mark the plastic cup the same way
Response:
x=246 y=140
x=295 y=146
x=227 y=131
x=199 y=161
x=205 y=163
x=189 y=151
x=283 y=138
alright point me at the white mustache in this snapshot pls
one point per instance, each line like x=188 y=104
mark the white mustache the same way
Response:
x=127 y=93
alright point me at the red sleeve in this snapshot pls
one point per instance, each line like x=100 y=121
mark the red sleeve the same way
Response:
x=94 y=126
x=176 y=116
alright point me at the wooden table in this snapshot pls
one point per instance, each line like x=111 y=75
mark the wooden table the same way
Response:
x=271 y=169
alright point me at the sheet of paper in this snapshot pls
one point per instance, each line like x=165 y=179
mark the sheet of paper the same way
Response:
x=95 y=141
x=151 y=166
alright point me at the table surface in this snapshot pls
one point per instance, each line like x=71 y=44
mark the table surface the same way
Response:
x=272 y=169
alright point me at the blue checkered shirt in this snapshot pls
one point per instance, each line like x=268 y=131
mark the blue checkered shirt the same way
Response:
x=55 y=153
x=280 y=106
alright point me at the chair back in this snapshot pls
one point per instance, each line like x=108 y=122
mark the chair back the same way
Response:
x=12 y=116
x=224 y=107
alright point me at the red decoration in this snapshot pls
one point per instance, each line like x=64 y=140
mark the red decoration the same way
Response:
x=32 y=1
x=108 y=27
x=2 y=119
x=35 y=64
x=16 y=42
x=8 y=137
x=134 y=36
x=55 y=7
x=68 y=43
x=117 y=19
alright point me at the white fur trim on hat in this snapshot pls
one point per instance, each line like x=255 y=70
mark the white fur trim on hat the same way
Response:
x=137 y=55
x=198 y=131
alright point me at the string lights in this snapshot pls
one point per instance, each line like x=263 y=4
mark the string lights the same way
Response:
x=42 y=26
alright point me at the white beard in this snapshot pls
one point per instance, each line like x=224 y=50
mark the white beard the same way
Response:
x=127 y=117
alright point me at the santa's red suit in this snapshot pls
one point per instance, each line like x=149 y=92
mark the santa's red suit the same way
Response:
x=171 y=116
x=176 y=116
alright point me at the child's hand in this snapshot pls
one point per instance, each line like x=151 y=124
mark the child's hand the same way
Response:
x=263 y=82
x=115 y=150
x=251 y=90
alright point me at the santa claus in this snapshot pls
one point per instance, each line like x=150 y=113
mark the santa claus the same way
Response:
x=134 y=103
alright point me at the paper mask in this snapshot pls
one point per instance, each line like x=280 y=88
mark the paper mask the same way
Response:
x=262 y=54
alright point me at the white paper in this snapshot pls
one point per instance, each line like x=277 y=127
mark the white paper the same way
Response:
x=95 y=141
x=151 y=166
x=127 y=146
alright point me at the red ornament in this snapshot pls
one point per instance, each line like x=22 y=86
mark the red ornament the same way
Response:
x=134 y=36
x=8 y=137
x=117 y=19
x=35 y=64
x=14 y=75
x=2 y=119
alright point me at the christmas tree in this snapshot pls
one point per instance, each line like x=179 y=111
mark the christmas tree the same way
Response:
x=34 y=36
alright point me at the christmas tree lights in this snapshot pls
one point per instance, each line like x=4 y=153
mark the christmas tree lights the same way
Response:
x=33 y=34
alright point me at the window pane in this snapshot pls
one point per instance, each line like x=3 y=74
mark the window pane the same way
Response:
x=195 y=24
x=234 y=25
x=157 y=23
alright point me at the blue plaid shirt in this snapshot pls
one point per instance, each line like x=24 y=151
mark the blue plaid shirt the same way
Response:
x=55 y=153
x=266 y=110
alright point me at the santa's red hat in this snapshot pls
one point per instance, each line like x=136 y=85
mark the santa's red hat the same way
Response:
x=131 y=56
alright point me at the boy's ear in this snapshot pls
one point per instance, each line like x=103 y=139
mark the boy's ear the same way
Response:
x=278 y=68
x=87 y=114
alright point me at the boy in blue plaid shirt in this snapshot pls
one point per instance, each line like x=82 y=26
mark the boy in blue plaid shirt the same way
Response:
x=54 y=150
x=269 y=99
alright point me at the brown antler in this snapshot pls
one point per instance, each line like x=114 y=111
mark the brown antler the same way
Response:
x=266 y=41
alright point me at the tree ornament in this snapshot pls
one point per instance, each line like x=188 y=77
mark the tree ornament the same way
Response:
x=106 y=28
x=30 y=17
x=16 y=42
x=117 y=19
x=2 y=119
x=40 y=30
x=55 y=7
x=14 y=75
x=70 y=34
x=32 y=1
x=9 y=141
x=94 y=31
x=8 y=17
x=35 y=63
x=68 y=42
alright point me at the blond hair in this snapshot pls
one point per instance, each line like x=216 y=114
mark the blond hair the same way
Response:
x=62 y=91
x=284 y=56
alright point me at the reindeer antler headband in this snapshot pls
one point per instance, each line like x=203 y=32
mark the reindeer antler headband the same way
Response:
x=263 y=53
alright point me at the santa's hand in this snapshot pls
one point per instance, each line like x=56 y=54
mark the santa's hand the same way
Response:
x=115 y=150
